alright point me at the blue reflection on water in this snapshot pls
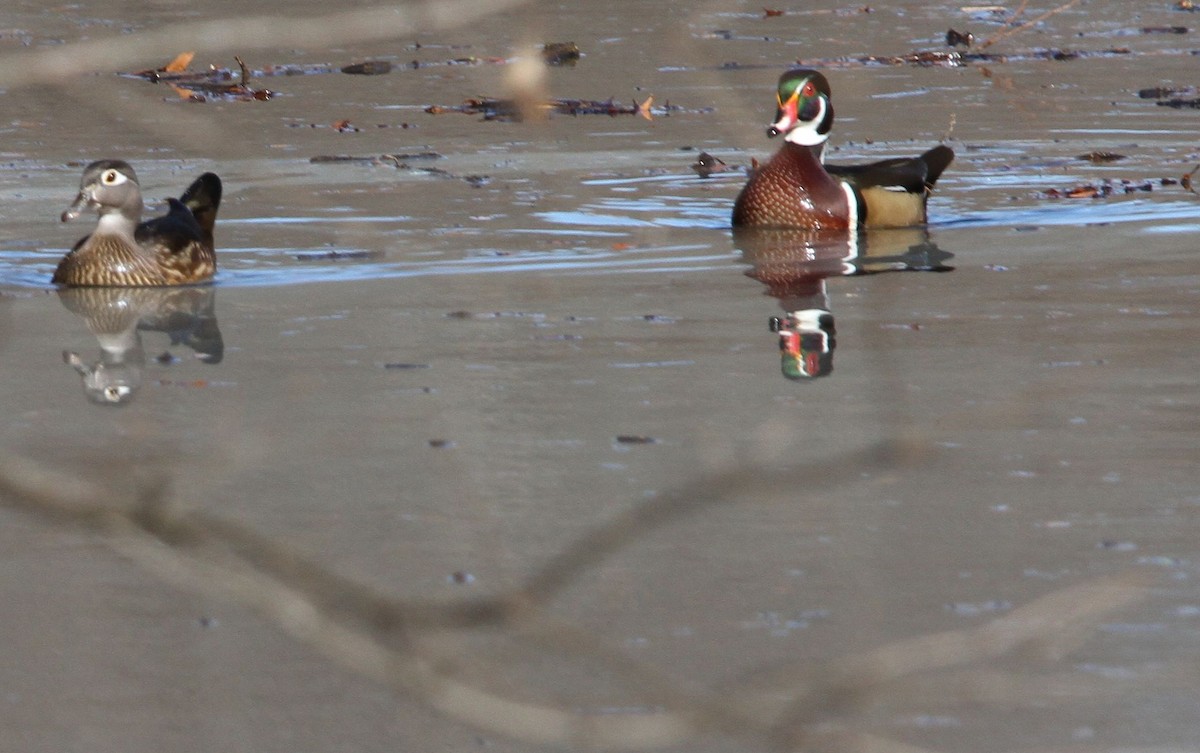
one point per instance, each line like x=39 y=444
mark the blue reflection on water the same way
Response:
x=617 y=234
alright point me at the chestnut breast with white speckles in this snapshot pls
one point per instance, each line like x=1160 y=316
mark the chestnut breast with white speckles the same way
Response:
x=793 y=191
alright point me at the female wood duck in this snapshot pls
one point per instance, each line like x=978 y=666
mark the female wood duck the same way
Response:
x=175 y=249
x=795 y=189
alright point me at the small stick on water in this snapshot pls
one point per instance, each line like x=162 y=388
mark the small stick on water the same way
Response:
x=1032 y=22
x=950 y=130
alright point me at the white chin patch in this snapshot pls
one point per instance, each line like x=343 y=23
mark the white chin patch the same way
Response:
x=805 y=133
x=115 y=223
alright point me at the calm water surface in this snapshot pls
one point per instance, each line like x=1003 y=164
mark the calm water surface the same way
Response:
x=434 y=383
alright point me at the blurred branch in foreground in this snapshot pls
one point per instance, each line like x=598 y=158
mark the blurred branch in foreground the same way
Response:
x=54 y=65
x=788 y=708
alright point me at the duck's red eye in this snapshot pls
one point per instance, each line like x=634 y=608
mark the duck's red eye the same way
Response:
x=809 y=90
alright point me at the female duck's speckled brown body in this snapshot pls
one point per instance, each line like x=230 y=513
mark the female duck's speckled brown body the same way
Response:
x=175 y=249
x=795 y=189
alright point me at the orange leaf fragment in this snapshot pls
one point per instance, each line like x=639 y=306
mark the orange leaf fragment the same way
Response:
x=188 y=95
x=1186 y=180
x=770 y=13
x=643 y=109
x=618 y=246
x=180 y=63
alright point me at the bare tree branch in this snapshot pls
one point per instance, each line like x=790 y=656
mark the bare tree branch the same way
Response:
x=54 y=65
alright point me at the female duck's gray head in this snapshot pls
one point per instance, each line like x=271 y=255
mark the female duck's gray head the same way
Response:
x=111 y=188
x=110 y=381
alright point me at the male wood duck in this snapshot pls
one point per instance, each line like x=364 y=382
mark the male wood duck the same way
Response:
x=795 y=189
x=175 y=249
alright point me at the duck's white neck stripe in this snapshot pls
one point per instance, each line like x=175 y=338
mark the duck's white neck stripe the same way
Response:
x=852 y=206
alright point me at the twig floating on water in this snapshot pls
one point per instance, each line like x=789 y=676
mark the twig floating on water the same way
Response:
x=1107 y=188
x=382 y=159
x=506 y=109
x=954 y=58
x=1099 y=157
x=215 y=83
x=561 y=53
x=368 y=68
x=1032 y=22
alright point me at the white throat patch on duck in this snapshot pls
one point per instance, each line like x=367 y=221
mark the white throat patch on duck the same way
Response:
x=117 y=223
x=812 y=131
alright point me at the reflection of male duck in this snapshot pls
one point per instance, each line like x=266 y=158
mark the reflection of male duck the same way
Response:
x=794 y=265
x=806 y=341
x=118 y=316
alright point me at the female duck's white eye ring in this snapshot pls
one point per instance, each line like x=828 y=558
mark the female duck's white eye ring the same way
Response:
x=112 y=178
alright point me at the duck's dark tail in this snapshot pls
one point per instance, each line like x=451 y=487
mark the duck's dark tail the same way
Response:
x=203 y=197
x=936 y=160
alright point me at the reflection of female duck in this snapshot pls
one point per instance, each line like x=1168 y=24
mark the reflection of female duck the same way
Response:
x=794 y=265
x=175 y=249
x=117 y=316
